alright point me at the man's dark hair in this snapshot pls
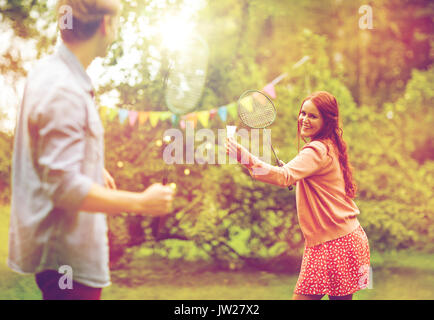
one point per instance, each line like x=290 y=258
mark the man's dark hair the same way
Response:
x=87 y=16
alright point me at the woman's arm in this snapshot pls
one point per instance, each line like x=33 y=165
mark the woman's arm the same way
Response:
x=310 y=159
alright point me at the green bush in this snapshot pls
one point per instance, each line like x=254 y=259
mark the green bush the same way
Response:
x=236 y=221
x=396 y=189
x=222 y=214
x=6 y=144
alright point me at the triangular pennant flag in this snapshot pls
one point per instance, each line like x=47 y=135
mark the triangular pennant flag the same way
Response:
x=165 y=115
x=112 y=113
x=203 y=117
x=123 y=115
x=175 y=119
x=132 y=116
x=269 y=89
x=247 y=103
x=192 y=117
x=191 y=123
x=223 y=113
x=212 y=113
x=153 y=118
x=232 y=110
x=143 y=116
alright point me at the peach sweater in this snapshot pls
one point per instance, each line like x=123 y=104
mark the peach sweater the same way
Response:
x=324 y=211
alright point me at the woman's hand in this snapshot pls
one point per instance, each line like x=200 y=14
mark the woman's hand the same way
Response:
x=109 y=182
x=237 y=151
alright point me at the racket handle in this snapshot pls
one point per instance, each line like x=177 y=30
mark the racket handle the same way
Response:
x=165 y=176
x=161 y=220
x=161 y=223
x=279 y=164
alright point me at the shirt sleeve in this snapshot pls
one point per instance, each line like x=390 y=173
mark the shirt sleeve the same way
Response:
x=60 y=125
x=312 y=158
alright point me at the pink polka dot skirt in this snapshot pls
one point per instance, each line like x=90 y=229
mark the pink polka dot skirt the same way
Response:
x=337 y=268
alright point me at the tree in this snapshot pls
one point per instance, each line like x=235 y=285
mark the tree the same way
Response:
x=219 y=208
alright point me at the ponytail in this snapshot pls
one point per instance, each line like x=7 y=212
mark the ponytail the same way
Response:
x=347 y=171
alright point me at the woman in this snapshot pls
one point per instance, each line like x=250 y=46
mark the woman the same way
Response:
x=336 y=256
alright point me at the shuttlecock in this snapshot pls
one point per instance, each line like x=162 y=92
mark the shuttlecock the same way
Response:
x=230 y=131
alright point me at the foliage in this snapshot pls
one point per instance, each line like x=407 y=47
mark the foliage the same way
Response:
x=6 y=143
x=220 y=213
x=396 y=191
x=396 y=275
x=29 y=20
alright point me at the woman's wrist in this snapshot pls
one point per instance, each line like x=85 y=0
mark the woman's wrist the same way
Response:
x=250 y=162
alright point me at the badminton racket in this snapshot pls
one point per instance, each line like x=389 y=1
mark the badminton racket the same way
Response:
x=257 y=111
x=186 y=77
x=184 y=83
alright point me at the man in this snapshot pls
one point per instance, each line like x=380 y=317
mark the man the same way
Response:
x=58 y=192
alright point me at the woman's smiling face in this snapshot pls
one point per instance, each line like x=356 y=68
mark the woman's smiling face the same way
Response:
x=310 y=120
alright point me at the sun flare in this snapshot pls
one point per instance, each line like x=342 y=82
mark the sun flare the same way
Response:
x=175 y=30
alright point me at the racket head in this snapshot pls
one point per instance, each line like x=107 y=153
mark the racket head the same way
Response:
x=187 y=75
x=256 y=110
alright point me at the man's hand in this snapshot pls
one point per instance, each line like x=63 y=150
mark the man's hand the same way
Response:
x=157 y=200
x=109 y=182
x=154 y=201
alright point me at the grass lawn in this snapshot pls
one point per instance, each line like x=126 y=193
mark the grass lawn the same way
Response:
x=396 y=275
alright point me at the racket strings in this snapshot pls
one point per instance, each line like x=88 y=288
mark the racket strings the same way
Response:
x=184 y=90
x=256 y=110
x=187 y=77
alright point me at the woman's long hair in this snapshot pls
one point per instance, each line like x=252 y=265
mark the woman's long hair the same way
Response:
x=328 y=107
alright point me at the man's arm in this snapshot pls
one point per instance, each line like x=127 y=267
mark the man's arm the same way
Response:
x=60 y=123
x=154 y=201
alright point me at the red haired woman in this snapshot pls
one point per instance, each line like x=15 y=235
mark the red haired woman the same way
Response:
x=336 y=256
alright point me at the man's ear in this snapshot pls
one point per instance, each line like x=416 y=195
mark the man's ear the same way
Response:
x=105 y=25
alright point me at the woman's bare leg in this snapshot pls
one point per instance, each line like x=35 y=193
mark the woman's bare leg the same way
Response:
x=348 y=297
x=306 y=297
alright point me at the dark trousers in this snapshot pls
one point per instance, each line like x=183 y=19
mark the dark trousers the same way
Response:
x=48 y=283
